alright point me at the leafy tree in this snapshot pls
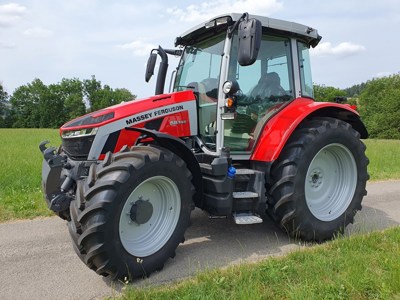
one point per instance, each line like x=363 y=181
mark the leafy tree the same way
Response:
x=91 y=87
x=26 y=101
x=52 y=107
x=107 y=97
x=99 y=97
x=123 y=95
x=74 y=106
x=73 y=96
x=355 y=90
x=38 y=105
x=102 y=98
x=324 y=93
x=5 y=111
x=380 y=107
x=3 y=93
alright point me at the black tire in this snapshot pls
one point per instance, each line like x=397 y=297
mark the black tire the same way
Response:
x=305 y=195
x=64 y=215
x=120 y=234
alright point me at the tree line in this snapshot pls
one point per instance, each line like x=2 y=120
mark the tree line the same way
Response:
x=377 y=100
x=36 y=105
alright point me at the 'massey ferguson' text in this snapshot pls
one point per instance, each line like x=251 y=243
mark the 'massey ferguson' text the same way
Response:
x=153 y=114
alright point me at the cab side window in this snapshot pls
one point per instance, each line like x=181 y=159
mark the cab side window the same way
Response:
x=305 y=70
x=265 y=84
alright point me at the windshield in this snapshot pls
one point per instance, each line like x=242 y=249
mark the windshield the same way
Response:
x=199 y=70
x=200 y=63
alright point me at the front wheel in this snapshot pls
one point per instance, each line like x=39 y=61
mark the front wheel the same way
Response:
x=319 y=180
x=132 y=212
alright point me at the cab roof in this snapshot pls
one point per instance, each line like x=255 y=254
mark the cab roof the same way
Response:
x=281 y=27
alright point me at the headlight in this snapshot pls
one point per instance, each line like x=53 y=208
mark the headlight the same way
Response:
x=77 y=143
x=218 y=22
x=79 y=133
x=226 y=88
x=230 y=87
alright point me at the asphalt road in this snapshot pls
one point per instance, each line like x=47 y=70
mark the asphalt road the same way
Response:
x=37 y=260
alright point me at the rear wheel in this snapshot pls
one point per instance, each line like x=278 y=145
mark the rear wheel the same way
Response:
x=132 y=212
x=319 y=180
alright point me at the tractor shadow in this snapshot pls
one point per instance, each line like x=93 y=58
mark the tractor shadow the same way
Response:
x=216 y=243
x=370 y=219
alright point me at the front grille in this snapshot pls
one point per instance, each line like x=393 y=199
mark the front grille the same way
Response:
x=78 y=148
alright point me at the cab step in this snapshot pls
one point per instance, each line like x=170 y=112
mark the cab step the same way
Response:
x=244 y=195
x=245 y=171
x=246 y=218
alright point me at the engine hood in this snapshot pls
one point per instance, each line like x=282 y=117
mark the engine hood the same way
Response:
x=126 y=110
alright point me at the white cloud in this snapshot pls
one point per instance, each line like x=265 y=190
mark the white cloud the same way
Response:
x=342 y=49
x=38 y=32
x=12 y=9
x=384 y=74
x=5 y=45
x=206 y=10
x=10 y=13
x=139 y=47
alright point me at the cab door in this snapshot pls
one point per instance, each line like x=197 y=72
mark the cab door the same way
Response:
x=199 y=70
x=264 y=85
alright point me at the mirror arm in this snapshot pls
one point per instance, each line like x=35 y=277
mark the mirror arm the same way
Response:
x=162 y=71
x=175 y=52
x=232 y=28
x=163 y=68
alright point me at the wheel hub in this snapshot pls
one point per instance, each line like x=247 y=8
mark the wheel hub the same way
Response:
x=331 y=182
x=315 y=178
x=149 y=216
x=141 y=211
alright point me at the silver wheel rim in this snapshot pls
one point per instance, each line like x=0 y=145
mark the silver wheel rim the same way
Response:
x=145 y=239
x=331 y=182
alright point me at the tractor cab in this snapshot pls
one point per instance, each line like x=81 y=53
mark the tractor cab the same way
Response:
x=243 y=70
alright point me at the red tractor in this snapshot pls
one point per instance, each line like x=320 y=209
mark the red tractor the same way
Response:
x=238 y=136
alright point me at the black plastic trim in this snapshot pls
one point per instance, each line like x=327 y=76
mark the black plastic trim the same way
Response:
x=154 y=124
x=111 y=142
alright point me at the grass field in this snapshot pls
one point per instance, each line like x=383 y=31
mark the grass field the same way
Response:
x=20 y=172
x=384 y=157
x=357 y=267
x=20 y=169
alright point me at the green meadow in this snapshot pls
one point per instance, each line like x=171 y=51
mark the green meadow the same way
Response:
x=21 y=165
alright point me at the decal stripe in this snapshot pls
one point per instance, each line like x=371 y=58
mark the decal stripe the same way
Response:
x=145 y=116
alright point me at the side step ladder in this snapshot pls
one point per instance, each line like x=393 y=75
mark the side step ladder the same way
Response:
x=245 y=218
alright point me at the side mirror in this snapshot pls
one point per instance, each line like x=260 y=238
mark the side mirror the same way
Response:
x=151 y=63
x=249 y=41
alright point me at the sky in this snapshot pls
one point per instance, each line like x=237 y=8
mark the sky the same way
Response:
x=54 y=39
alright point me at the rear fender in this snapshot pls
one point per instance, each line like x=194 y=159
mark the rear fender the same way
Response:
x=177 y=146
x=277 y=130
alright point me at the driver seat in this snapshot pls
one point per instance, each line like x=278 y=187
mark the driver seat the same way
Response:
x=268 y=85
